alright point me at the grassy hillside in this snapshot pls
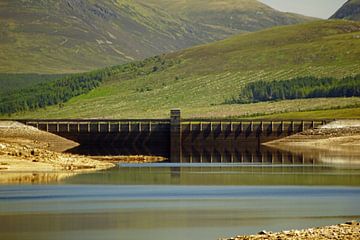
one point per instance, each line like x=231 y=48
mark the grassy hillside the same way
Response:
x=350 y=10
x=51 y=36
x=231 y=16
x=200 y=79
x=71 y=36
x=317 y=114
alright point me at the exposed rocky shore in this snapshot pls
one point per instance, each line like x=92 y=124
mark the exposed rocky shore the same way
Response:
x=347 y=231
x=337 y=142
x=23 y=157
x=30 y=155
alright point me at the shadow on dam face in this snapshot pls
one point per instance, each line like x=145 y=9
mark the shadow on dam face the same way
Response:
x=113 y=150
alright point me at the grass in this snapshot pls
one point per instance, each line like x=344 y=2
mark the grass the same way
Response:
x=59 y=37
x=200 y=79
x=347 y=113
x=230 y=16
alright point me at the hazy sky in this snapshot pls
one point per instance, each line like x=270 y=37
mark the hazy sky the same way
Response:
x=314 y=8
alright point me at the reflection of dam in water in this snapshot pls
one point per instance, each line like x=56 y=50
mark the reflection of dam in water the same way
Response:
x=181 y=140
x=243 y=153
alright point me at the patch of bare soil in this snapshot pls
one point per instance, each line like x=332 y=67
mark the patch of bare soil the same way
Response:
x=347 y=231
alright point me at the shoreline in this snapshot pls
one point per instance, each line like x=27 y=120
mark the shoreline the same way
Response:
x=28 y=155
x=349 y=231
x=23 y=163
x=25 y=150
x=337 y=143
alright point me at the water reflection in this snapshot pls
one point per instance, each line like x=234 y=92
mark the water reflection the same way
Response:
x=112 y=150
x=33 y=178
x=167 y=212
x=251 y=152
x=343 y=156
x=224 y=174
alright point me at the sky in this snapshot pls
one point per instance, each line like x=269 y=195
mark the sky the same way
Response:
x=313 y=8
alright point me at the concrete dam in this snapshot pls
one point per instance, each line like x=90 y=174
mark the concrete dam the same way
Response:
x=181 y=140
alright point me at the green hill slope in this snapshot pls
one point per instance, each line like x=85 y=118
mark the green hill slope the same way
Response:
x=230 y=16
x=200 y=79
x=51 y=36
x=350 y=10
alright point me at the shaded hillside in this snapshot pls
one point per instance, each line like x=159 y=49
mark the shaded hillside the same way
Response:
x=198 y=80
x=51 y=36
x=350 y=10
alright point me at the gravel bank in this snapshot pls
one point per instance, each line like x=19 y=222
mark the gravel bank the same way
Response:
x=19 y=133
x=347 y=231
x=26 y=153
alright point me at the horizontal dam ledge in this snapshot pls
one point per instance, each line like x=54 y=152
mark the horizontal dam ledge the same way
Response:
x=165 y=120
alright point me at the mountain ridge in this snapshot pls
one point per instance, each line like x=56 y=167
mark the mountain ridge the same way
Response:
x=50 y=36
x=350 y=11
x=233 y=15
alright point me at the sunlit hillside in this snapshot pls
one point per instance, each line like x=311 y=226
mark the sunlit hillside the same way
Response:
x=198 y=80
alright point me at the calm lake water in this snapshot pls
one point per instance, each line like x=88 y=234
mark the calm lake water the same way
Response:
x=177 y=201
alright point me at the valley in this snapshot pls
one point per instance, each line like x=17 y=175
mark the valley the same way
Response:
x=179 y=119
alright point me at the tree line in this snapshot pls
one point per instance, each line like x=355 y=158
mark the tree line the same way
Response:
x=39 y=91
x=296 y=88
x=50 y=93
x=15 y=81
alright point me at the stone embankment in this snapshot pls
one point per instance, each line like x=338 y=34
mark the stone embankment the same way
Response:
x=347 y=231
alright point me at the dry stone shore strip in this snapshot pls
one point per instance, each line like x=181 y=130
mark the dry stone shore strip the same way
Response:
x=23 y=157
x=27 y=149
x=347 y=231
x=135 y=159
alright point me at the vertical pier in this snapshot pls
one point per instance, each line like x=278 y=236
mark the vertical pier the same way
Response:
x=175 y=135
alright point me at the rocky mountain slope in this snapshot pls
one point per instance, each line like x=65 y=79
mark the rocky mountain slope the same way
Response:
x=350 y=10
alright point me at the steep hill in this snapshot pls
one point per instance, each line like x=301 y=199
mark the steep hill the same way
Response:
x=350 y=10
x=200 y=79
x=230 y=16
x=51 y=36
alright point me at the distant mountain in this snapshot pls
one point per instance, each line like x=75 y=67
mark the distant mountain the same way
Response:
x=200 y=79
x=229 y=16
x=350 y=10
x=51 y=36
